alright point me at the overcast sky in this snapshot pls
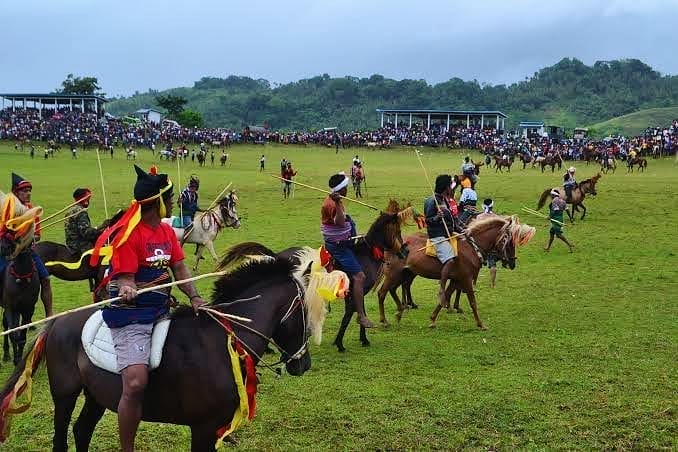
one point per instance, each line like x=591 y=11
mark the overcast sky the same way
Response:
x=141 y=44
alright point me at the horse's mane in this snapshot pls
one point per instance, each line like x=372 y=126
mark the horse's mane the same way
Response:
x=591 y=180
x=483 y=224
x=521 y=233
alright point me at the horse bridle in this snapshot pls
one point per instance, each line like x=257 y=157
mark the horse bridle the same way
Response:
x=502 y=243
x=226 y=213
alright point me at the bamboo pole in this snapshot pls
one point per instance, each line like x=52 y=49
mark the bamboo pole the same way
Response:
x=103 y=189
x=539 y=214
x=432 y=192
x=326 y=192
x=63 y=219
x=49 y=217
x=214 y=202
x=111 y=300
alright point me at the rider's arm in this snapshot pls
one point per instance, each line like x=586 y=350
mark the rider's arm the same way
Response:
x=339 y=213
x=127 y=287
x=180 y=271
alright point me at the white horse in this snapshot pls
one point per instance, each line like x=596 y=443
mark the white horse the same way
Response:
x=206 y=225
x=131 y=154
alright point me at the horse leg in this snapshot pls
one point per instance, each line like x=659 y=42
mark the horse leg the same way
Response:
x=84 y=426
x=198 y=255
x=13 y=322
x=203 y=437
x=456 y=307
x=583 y=207
x=474 y=307
x=63 y=409
x=363 y=337
x=381 y=295
x=210 y=247
x=5 y=342
x=348 y=313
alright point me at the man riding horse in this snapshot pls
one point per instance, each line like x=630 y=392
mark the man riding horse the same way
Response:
x=189 y=201
x=468 y=169
x=144 y=251
x=569 y=183
x=337 y=228
x=440 y=223
x=21 y=189
x=80 y=235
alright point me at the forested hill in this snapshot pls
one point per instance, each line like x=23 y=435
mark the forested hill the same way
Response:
x=568 y=93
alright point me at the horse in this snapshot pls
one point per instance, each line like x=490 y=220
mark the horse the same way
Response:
x=131 y=154
x=202 y=156
x=195 y=383
x=476 y=167
x=223 y=159
x=640 y=161
x=551 y=160
x=206 y=225
x=607 y=164
x=585 y=187
x=488 y=233
x=19 y=282
x=70 y=265
x=383 y=236
x=526 y=158
x=499 y=162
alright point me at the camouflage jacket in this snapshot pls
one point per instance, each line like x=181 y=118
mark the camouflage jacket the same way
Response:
x=80 y=235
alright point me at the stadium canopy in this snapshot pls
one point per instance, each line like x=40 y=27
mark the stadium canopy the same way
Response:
x=447 y=117
x=56 y=101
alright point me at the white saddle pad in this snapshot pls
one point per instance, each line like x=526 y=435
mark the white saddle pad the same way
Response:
x=98 y=343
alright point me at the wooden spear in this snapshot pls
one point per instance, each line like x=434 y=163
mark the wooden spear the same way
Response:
x=111 y=300
x=65 y=208
x=326 y=192
x=63 y=219
x=539 y=214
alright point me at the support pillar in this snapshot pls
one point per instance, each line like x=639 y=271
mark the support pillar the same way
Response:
x=502 y=125
x=82 y=106
x=468 y=121
x=497 y=125
x=71 y=103
x=396 y=121
x=410 y=120
x=96 y=106
x=382 y=119
x=482 y=122
x=448 y=123
x=428 y=127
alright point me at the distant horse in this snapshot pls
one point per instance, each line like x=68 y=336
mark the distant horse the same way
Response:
x=206 y=225
x=607 y=164
x=383 y=236
x=488 y=233
x=202 y=156
x=585 y=187
x=641 y=162
x=551 y=160
x=499 y=162
x=19 y=282
x=476 y=167
x=69 y=265
x=195 y=383
x=526 y=158
x=131 y=154
x=223 y=159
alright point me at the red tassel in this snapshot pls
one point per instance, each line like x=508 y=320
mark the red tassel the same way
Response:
x=377 y=253
x=251 y=386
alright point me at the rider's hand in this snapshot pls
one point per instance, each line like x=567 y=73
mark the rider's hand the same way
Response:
x=196 y=302
x=127 y=294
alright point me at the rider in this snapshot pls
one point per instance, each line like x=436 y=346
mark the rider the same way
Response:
x=569 y=182
x=148 y=250
x=467 y=202
x=556 y=209
x=440 y=223
x=80 y=235
x=21 y=188
x=468 y=169
x=189 y=201
x=492 y=257
x=337 y=228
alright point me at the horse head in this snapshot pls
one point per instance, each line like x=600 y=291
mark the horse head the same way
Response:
x=228 y=208
x=385 y=232
x=292 y=335
x=589 y=185
x=503 y=234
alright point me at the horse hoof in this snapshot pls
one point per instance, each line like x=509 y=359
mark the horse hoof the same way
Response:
x=366 y=344
x=432 y=325
x=482 y=327
x=385 y=324
x=414 y=306
x=459 y=310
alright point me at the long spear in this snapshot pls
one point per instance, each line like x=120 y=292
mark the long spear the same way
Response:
x=103 y=189
x=539 y=214
x=63 y=219
x=432 y=191
x=65 y=208
x=326 y=192
x=111 y=300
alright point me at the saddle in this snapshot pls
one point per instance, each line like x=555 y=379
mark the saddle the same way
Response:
x=98 y=343
x=431 y=249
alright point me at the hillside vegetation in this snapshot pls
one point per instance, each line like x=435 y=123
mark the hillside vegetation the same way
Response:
x=635 y=123
x=568 y=94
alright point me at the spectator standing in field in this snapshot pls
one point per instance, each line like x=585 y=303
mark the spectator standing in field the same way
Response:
x=287 y=174
x=556 y=209
x=262 y=163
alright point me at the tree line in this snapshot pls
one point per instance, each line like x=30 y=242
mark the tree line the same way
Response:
x=569 y=93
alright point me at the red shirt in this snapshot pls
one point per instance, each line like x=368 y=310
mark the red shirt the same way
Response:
x=147 y=247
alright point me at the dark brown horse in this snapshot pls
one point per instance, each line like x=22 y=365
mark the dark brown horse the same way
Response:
x=499 y=162
x=551 y=160
x=526 y=158
x=194 y=384
x=488 y=233
x=641 y=162
x=587 y=186
x=62 y=262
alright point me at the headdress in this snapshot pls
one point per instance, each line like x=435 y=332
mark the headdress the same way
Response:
x=488 y=204
x=19 y=183
x=571 y=169
x=555 y=192
x=80 y=194
x=338 y=181
x=194 y=181
x=148 y=187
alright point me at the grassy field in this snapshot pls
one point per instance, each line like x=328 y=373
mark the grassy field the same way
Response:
x=635 y=123
x=580 y=352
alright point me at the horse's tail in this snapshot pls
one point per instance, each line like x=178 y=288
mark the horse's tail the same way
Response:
x=21 y=381
x=245 y=250
x=542 y=198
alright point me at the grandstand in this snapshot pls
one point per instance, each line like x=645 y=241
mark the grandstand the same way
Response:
x=466 y=118
x=83 y=102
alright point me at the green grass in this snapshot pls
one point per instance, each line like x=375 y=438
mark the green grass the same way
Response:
x=580 y=352
x=635 y=123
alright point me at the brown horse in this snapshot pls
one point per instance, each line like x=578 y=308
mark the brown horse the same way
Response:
x=195 y=383
x=526 y=158
x=500 y=162
x=490 y=233
x=607 y=164
x=641 y=162
x=585 y=187
x=69 y=265
x=551 y=160
x=476 y=167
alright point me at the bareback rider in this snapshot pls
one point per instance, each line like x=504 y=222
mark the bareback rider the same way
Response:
x=468 y=169
x=337 y=229
x=440 y=222
x=189 y=201
x=144 y=256
x=569 y=183
x=21 y=188
x=467 y=203
x=80 y=235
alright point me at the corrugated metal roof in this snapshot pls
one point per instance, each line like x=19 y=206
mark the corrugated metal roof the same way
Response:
x=33 y=96
x=443 y=112
x=531 y=124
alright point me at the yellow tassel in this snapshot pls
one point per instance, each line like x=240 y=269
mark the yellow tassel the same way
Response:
x=242 y=411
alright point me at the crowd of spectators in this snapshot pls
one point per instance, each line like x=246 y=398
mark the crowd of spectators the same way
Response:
x=87 y=129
